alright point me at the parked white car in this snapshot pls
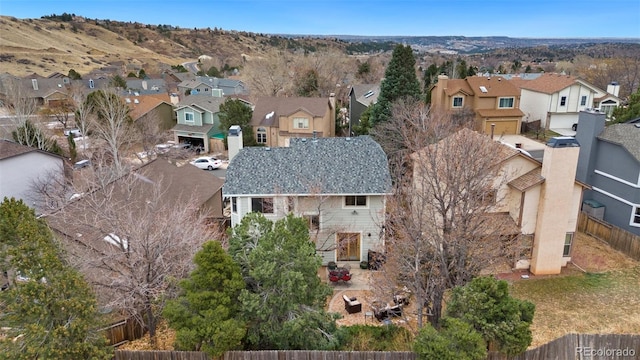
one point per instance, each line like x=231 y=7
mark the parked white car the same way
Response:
x=206 y=163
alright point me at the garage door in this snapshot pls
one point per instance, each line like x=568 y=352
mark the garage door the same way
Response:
x=503 y=127
x=563 y=121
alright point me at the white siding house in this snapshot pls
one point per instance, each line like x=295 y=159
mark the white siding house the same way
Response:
x=338 y=184
x=556 y=100
x=21 y=166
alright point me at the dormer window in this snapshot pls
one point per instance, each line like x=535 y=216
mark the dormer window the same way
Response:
x=563 y=101
x=300 y=123
x=188 y=117
x=457 y=102
x=506 y=103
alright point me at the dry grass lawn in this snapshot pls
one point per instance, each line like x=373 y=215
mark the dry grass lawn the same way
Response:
x=605 y=299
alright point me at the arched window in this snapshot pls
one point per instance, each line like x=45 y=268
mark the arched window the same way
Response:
x=261 y=136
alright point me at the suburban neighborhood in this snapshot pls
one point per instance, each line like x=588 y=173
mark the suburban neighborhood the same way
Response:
x=209 y=211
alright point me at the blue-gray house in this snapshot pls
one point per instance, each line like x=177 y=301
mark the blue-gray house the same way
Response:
x=609 y=161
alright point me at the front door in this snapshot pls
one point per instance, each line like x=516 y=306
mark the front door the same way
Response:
x=348 y=246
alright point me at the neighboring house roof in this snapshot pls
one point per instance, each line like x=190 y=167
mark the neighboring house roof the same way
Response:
x=192 y=128
x=366 y=94
x=494 y=86
x=10 y=149
x=285 y=106
x=205 y=102
x=455 y=86
x=232 y=86
x=553 y=83
x=528 y=180
x=463 y=135
x=625 y=135
x=146 y=103
x=329 y=166
x=147 y=86
x=178 y=185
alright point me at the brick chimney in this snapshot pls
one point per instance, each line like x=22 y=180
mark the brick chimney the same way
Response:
x=234 y=140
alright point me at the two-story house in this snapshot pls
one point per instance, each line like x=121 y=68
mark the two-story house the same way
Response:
x=494 y=101
x=197 y=121
x=555 y=100
x=610 y=162
x=277 y=120
x=338 y=184
x=540 y=201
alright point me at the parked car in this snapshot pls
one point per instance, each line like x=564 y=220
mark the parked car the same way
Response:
x=206 y=163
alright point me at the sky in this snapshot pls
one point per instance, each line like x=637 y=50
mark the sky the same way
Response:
x=513 y=18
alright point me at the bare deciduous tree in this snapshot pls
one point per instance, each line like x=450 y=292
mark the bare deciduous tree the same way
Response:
x=113 y=125
x=133 y=243
x=268 y=75
x=440 y=232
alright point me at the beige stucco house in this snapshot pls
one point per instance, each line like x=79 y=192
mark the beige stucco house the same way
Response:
x=494 y=100
x=541 y=199
x=276 y=120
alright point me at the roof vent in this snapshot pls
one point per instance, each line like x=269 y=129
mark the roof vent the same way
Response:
x=267 y=149
x=368 y=94
x=637 y=125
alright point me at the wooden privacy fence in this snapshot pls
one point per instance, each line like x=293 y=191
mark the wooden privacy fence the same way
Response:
x=123 y=331
x=319 y=355
x=160 y=355
x=570 y=346
x=617 y=238
x=582 y=346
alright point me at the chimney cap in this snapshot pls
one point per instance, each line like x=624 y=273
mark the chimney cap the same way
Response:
x=563 y=141
x=235 y=130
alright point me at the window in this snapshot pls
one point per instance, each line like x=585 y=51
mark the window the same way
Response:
x=291 y=204
x=188 y=117
x=300 y=123
x=583 y=100
x=457 y=101
x=261 y=136
x=234 y=205
x=635 y=216
x=506 y=102
x=568 y=239
x=563 y=101
x=355 y=201
x=313 y=221
x=607 y=109
x=262 y=205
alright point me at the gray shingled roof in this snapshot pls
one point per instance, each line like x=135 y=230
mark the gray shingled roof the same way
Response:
x=625 y=135
x=206 y=102
x=322 y=166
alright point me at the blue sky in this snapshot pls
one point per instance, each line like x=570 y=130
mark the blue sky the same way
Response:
x=543 y=18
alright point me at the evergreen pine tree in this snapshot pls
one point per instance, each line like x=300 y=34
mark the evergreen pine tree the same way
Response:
x=399 y=81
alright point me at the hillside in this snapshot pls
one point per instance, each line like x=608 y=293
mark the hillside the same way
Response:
x=46 y=46
x=51 y=45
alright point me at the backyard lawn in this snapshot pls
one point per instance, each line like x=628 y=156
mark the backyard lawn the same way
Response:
x=605 y=299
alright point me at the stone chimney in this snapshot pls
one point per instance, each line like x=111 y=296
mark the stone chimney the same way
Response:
x=556 y=215
x=613 y=88
x=234 y=140
x=590 y=125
